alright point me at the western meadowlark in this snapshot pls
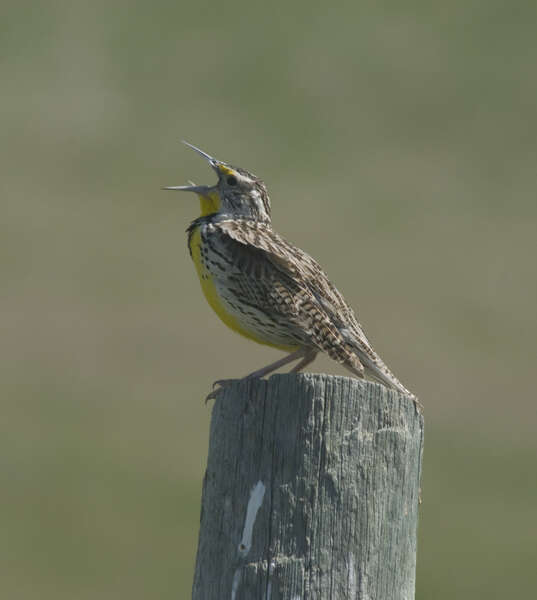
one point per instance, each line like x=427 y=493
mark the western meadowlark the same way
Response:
x=266 y=289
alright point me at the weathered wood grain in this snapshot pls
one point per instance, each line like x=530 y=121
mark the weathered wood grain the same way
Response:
x=311 y=492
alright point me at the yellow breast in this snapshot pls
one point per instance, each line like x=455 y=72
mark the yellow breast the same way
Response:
x=213 y=298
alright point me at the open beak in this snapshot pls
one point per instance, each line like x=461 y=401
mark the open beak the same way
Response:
x=198 y=189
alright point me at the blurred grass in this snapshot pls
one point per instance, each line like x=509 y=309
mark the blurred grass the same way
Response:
x=398 y=143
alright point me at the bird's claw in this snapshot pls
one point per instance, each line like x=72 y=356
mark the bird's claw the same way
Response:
x=222 y=383
x=212 y=395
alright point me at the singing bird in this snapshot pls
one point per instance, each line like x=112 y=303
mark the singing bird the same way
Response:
x=267 y=289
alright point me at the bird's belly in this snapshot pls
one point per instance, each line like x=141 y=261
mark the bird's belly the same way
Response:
x=247 y=321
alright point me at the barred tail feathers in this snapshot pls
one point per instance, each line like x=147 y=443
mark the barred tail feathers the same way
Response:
x=380 y=372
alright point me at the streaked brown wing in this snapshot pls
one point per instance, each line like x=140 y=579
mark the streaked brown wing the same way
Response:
x=294 y=286
x=306 y=272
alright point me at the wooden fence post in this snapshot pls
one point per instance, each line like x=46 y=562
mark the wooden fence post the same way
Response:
x=311 y=492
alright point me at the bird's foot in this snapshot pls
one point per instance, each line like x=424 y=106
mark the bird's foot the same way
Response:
x=222 y=383
x=225 y=382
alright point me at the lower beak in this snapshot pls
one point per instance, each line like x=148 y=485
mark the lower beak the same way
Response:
x=198 y=189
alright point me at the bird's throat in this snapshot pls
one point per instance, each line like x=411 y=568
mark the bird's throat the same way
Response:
x=209 y=203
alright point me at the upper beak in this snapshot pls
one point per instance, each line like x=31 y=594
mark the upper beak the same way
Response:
x=198 y=189
x=212 y=161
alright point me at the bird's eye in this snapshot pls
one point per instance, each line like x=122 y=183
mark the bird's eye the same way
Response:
x=231 y=180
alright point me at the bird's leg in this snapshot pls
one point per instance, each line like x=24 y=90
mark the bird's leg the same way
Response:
x=277 y=364
x=308 y=358
x=300 y=353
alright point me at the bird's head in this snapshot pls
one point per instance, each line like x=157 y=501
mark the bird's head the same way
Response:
x=237 y=193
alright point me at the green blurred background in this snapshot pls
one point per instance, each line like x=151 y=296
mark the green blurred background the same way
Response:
x=398 y=141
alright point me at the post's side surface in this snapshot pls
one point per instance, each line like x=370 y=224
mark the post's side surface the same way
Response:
x=311 y=492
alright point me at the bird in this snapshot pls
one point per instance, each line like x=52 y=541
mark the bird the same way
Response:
x=267 y=289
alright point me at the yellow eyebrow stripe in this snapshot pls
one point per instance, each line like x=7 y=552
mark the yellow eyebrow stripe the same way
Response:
x=226 y=170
